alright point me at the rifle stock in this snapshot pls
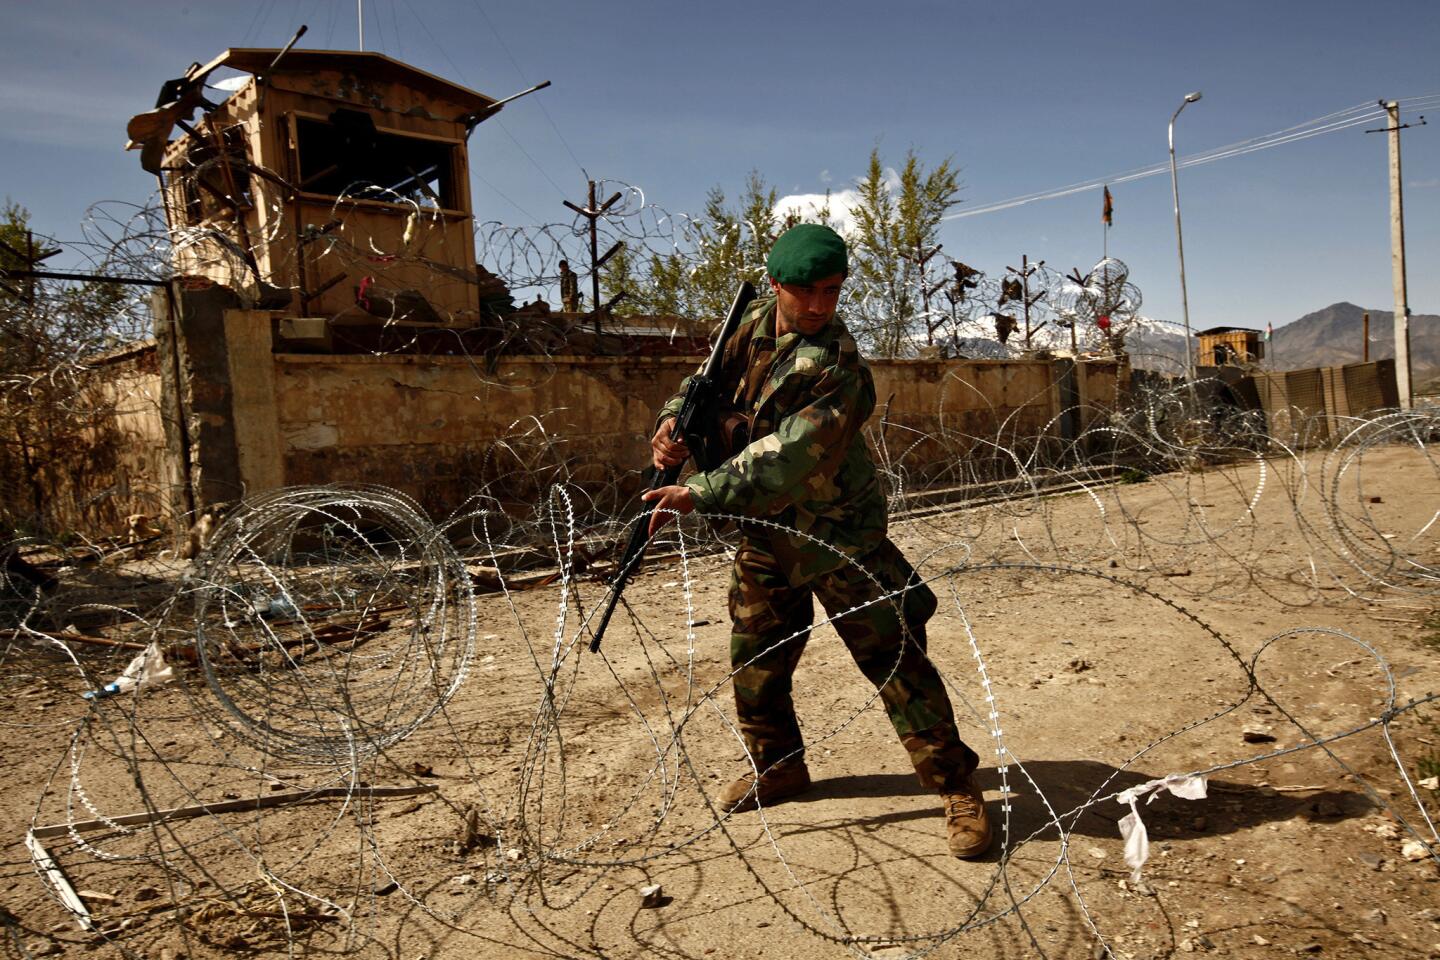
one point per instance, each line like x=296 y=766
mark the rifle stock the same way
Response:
x=700 y=400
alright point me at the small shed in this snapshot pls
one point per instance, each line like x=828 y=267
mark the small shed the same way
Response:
x=1230 y=346
x=329 y=184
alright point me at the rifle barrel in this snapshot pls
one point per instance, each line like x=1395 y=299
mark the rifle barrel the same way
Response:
x=640 y=533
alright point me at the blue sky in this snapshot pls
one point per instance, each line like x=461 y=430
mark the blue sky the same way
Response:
x=677 y=98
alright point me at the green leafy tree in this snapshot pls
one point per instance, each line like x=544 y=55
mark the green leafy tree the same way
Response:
x=667 y=290
x=897 y=218
x=617 y=275
x=14 y=237
x=729 y=244
x=719 y=257
x=760 y=226
x=894 y=227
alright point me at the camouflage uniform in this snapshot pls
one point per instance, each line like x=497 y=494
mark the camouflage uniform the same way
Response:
x=569 y=290
x=807 y=468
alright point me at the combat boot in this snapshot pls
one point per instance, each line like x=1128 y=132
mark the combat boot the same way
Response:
x=776 y=783
x=966 y=822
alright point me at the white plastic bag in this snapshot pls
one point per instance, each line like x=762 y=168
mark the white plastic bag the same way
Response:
x=148 y=669
x=1132 y=828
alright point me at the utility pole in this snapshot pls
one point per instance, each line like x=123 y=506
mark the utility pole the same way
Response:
x=1180 y=245
x=1365 y=330
x=1397 y=261
x=30 y=257
x=1397 y=252
x=593 y=214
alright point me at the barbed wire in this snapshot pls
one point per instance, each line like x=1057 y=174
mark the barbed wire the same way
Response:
x=331 y=628
x=326 y=643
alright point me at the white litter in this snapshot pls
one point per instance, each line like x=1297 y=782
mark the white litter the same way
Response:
x=1132 y=828
x=148 y=669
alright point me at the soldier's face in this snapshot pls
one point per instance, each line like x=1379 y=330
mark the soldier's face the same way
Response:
x=805 y=307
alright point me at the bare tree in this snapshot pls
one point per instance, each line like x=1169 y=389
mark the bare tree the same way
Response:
x=50 y=401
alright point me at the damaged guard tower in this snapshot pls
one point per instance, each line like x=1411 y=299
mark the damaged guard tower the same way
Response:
x=325 y=171
x=322 y=208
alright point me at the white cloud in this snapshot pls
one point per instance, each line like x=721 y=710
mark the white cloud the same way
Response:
x=842 y=202
x=1424 y=184
x=810 y=204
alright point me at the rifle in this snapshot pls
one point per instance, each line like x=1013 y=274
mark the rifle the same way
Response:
x=699 y=408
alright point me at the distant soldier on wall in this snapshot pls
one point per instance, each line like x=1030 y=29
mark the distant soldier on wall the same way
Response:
x=569 y=289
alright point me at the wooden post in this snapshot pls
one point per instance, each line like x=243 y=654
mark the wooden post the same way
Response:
x=920 y=259
x=1365 y=347
x=593 y=213
x=30 y=261
x=1025 y=293
x=594 y=258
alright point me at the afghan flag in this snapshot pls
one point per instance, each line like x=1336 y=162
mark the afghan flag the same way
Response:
x=1108 y=213
x=1269 y=331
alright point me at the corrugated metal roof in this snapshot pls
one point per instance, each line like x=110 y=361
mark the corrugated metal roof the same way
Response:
x=1213 y=330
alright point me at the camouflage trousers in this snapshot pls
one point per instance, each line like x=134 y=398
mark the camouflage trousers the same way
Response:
x=771 y=606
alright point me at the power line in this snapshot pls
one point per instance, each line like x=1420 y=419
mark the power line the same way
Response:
x=254 y=21
x=526 y=80
x=1329 y=123
x=1244 y=146
x=461 y=75
x=330 y=24
x=395 y=29
x=498 y=192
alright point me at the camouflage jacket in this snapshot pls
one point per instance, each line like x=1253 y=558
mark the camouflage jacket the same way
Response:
x=807 y=465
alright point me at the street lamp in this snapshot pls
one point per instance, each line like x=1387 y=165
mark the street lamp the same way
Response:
x=1179 y=238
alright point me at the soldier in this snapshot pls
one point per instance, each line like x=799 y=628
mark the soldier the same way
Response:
x=801 y=382
x=569 y=289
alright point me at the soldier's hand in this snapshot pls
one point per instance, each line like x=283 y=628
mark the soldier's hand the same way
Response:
x=665 y=452
x=674 y=498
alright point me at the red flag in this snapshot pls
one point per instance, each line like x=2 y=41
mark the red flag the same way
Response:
x=1108 y=214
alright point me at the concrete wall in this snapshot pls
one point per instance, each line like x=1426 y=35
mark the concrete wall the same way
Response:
x=113 y=464
x=944 y=421
x=132 y=391
x=213 y=414
x=443 y=428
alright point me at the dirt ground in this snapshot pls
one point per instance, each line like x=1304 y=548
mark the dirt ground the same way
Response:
x=1126 y=633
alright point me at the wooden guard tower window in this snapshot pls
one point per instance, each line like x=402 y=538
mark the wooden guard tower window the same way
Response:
x=346 y=155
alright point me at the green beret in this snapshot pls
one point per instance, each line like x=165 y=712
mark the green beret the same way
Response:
x=806 y=253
